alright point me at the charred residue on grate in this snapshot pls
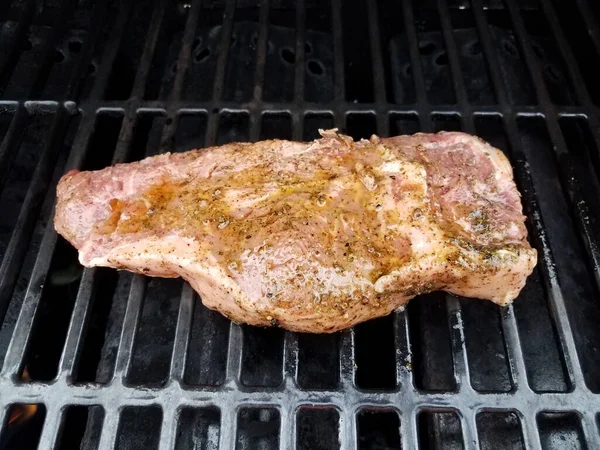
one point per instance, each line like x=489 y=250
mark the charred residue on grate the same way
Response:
x=50 y=51
x=516 y=78
x=154 y=337
x=394 y=43
x=200 y=76
x=499 y=429
x=559 y=430
x=258 y=428
x=95 y=363
x=17 y=163
x=318 y=361
x=139 y=427
x=378 y=428
x=206 y=359
x=550 y=62
x=433 y=55
x=358 y=73
x=584 y=157
x=574 y=278
x=375 y=354
x=430 y=340
x=473 y=66
x=128 y=56
x=37 y=163
x=241 y=63
x=540 y=343
x=582 y=46
x=59 y=293
x=439 y=429
x=319 y=52
x=280 y=59
x=76 y=431
x=198 y=428
x=484 y=339
x=164 y=61
x=102 y=40
x=54 y=313
x=317 y=428
x=19 y=158
x=262 y=358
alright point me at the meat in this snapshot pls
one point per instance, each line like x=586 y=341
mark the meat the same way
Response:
x=313 y=237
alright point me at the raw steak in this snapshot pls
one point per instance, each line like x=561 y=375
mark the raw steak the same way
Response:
x=312 y=237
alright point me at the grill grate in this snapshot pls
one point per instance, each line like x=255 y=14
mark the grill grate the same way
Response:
x=112 y=356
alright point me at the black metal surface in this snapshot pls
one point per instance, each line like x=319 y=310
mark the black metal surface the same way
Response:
x=117 y=360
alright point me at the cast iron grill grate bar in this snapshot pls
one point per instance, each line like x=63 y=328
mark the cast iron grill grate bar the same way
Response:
x=453 y=59
x=49 y=49
x=112 y=48
x=415 y=62
x=490 y=55
x=301 y=108
x=567 y=172
x=8 y=50
x=377 y=67
x=259 y=75
x=569 y=176
x=297 y=122
x=568 y=346
x=288 y=397
x=577 y=80
x=15 y=251
x=592 y=117
x=590 y=23
x=141 y=76
x=11 y=142
x=81 y=313
x=339 y=79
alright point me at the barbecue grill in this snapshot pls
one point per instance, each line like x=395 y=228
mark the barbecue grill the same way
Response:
x=95 y=358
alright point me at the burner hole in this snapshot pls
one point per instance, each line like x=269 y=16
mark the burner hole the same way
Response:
x=202 y=56
x=408 y=70
x=474 y=49
x=537 y=50
x=75 y=46
x=28 y=44
x=169 y=121
x=442 y=59
x=215 y=110
x=308 y=48
x=59 y=56
x=233 y=39
x=509 y=48
x=288 y=55
x=316 y=68
x=174 y=68
x=426 y=48
x=553 y=73
x=254 y=39
x=91 y=68
x=196 y=43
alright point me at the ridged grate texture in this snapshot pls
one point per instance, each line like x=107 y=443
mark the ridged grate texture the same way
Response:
x=113 y=360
